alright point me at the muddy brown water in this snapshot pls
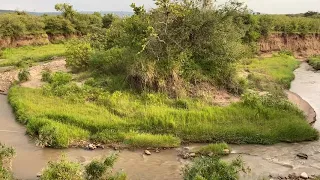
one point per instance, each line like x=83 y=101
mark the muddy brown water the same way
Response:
x=277 y=159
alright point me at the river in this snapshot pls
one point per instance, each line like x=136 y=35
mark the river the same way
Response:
x=277 y=159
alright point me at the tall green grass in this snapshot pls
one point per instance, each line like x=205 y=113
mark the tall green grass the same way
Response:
x=315 y=62
x=270 y=74
x=158 y=123
x=30 y=54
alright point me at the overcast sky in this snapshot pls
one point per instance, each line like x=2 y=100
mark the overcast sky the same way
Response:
x=264 y=6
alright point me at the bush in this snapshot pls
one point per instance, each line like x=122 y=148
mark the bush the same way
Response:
x=62 y=170
x=24 y=75
x=315 y=62
x=6 y=154
x=46 y=76
x=60 y=78
x=78 y=54
x=213 y=169
x=101 y=170
x=214 y=149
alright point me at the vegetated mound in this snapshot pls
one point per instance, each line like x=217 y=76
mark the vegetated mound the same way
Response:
x=315 y=62
x=62 y=113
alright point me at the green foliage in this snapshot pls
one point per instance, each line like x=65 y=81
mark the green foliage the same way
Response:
x=214 y=149
x=46 y=75
x=101 y=170
x=58 y=25
x=315 y=62
x=213 y=169
x=6 y=154
x=30 y=54
x=14 y=25
x=270 y=74
x=62 y=170
x=107 y=20
x=78 y=54
x=24 y=75
x=112 y=117
x=150 y=140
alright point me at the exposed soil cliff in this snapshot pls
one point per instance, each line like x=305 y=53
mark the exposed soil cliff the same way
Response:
x=25 y=40
x=301 y=46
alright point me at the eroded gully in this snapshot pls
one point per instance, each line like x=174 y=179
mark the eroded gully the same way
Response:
x=277 y=159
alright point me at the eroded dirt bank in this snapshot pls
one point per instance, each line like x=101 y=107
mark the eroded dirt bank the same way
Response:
x=7 y=77
x=302 y=46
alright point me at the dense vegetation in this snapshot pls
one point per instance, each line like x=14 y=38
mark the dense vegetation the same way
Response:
x=17 y=24
x=29 y=54
x=315 y=62
x=6 y=154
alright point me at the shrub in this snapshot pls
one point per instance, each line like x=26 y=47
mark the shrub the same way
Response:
x=101 y=170
x=60 y=78
x=24 y=75
x=6 y=154
x=213 y=168
x=46 y=76
x=62 y=170
x=78 y=54
x=214 y=149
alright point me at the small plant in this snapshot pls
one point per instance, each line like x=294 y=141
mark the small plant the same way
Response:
x=24 y=75
x=213 y=168
x=101 y=170
x=62 y=170
x=46 y=75
x=6 y=154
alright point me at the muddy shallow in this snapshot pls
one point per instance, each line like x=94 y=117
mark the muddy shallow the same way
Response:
x=277 y=159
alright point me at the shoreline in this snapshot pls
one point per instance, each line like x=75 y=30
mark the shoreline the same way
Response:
x=303 y=105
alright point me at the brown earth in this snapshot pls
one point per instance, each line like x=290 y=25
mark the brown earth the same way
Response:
x=302 y=46
x=26 y=40
x=7 y=77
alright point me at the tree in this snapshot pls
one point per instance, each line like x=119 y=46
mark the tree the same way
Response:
x=66 y=9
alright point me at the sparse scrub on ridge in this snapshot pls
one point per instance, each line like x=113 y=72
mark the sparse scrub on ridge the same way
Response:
x=30 y=54
x=315 y=62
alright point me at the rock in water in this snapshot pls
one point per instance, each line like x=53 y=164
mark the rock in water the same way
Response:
x=92 y=147
x=304 y=175
x=302 y=156
x=147 y=152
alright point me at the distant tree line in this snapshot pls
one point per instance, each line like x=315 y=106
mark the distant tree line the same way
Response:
x=17 y=23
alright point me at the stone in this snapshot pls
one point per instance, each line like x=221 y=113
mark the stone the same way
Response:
x=304 y=175
x=100 y=146
x=92 y=147
x=302 y=156
x=147 y=152
x=192 y=154
x=226 y=151
x=186 y=148
x=186 y=156
x=39 y=175
x=211 y=154
x=157 y=151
